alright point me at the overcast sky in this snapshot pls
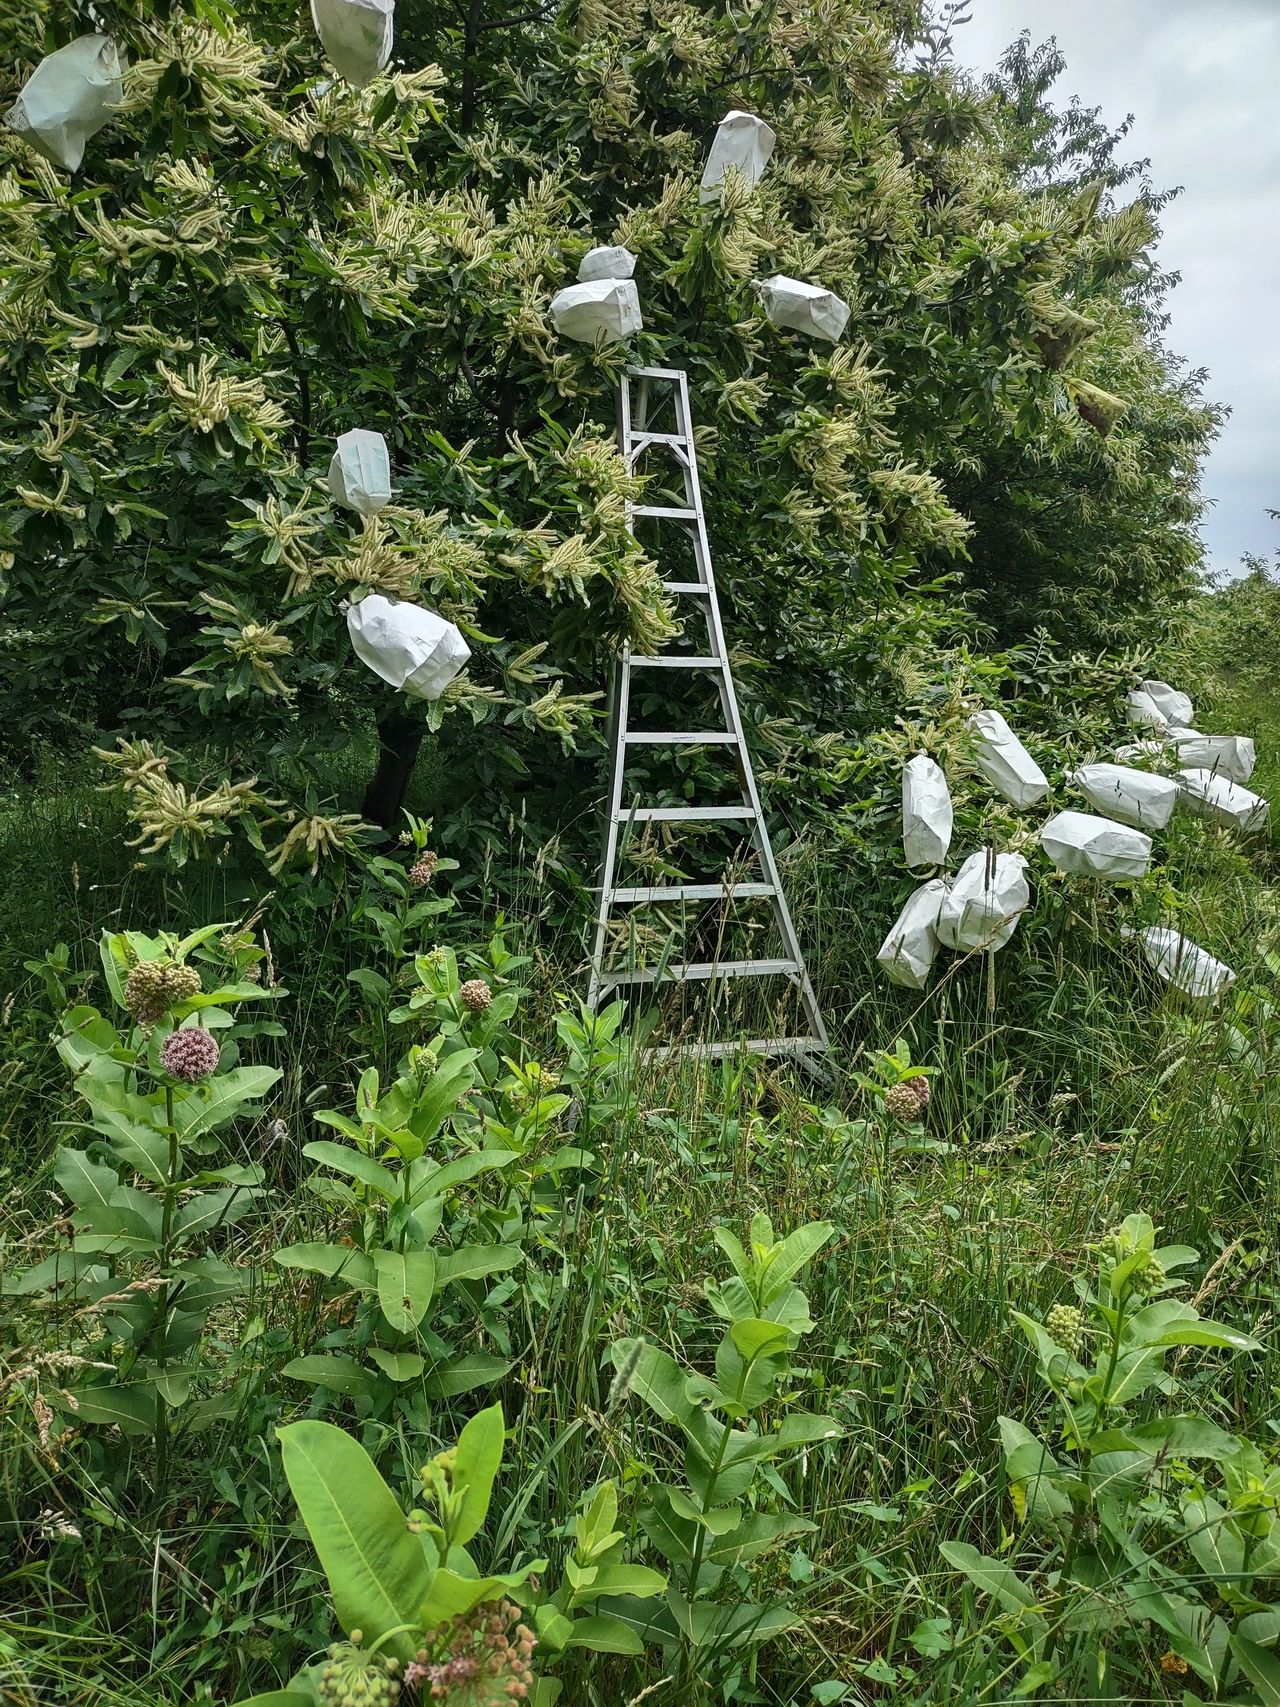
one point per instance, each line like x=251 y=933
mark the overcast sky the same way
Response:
x=1202 y=79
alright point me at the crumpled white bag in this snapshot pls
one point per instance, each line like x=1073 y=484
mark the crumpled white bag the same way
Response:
x=908 y=952
x=982 y=906
x=356 y=35
x=411 y=648
x=1222 y=801
x=741 y=140
x=1132 y=797
x=360 y=471
x=927 y=815
x=1005 y=762
x=1173 y=706
x=610 y=261
x=1084 y=846
x=799 y=307
x=1141 y=709
x=1232 y=756
x=1153 y=749
x=67 y=99
x=608 y=306
x=1186 y=968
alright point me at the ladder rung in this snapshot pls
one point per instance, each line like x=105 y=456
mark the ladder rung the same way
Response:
x=685 y=587
x=681 y=972
x=752 y=1046
x=639 y=439
x=665 y=511
x=677 y=661
x=684 y=814
x=679 y=737
x=695 y=892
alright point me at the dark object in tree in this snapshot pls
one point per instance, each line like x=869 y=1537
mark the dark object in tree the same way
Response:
x=399 y=741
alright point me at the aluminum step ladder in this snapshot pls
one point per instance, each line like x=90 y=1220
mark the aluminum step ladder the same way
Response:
x=634 y=439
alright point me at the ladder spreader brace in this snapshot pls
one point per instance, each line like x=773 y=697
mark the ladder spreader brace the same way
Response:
x=634 y=439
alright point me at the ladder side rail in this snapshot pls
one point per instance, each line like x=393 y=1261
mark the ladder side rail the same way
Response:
x=746 y=771
x=621 y=706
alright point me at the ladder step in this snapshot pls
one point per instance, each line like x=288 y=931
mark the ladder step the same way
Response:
x=684 y=814
x=677 y=661
x=685 y=587
x=681 y=972
x=748 y=1046
x=680 y=737
x=640 y=439
x=664 y=511
x=695 y=892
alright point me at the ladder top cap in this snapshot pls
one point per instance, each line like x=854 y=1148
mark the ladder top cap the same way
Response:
x=655 y=373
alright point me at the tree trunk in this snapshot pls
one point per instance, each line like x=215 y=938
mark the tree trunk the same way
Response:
x=399 y=739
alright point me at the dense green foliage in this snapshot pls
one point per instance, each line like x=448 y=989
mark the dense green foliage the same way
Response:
x=254 y=259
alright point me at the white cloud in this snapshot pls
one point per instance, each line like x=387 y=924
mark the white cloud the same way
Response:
x=1200 y=78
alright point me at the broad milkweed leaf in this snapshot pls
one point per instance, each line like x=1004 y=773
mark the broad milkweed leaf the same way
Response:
x=378 y=1573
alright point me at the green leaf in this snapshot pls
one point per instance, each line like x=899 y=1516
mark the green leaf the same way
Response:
x=130 y=1409
x=991 y=1576
x=1261 y=1668
x=657 y=1378
x=604 y=1634
x=795 y=1251
x=281 y=1698
x=464 y=1375
x=453 y=1078
x=1207 y=1333
x=406 y=1285
x=623 y=1579
x=90 y=1185
x=437 y=1181
x=221 y=1098
x=473 y=1261
x=330 y=1369
x=452 y=1595
x=324 y=1259
x=378 y=1573
x=221 y=1208
x=398 y=1365
x=356 y=1165
x=732 y=1248
x=476 y=1461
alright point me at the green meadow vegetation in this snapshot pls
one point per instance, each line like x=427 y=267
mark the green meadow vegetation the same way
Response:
x=381 y=1325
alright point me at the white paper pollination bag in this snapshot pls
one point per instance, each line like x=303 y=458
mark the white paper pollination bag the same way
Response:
x=799 y=307
x=1153 y=749
x=1005 y=762
x=356 y=35
x=743 y=141
x=908 y=952
x=1141 y=709
x=610 y=261
x=1131 y=797
x=411 y=648
x=360 y=471
x=608 y=306
x=1221 y=800
x=1232 y=756
x=1084 y=846
x=68 y=98
x=926 y=812
x=982 y=906
x=1177 y=960
x=1173 y=706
